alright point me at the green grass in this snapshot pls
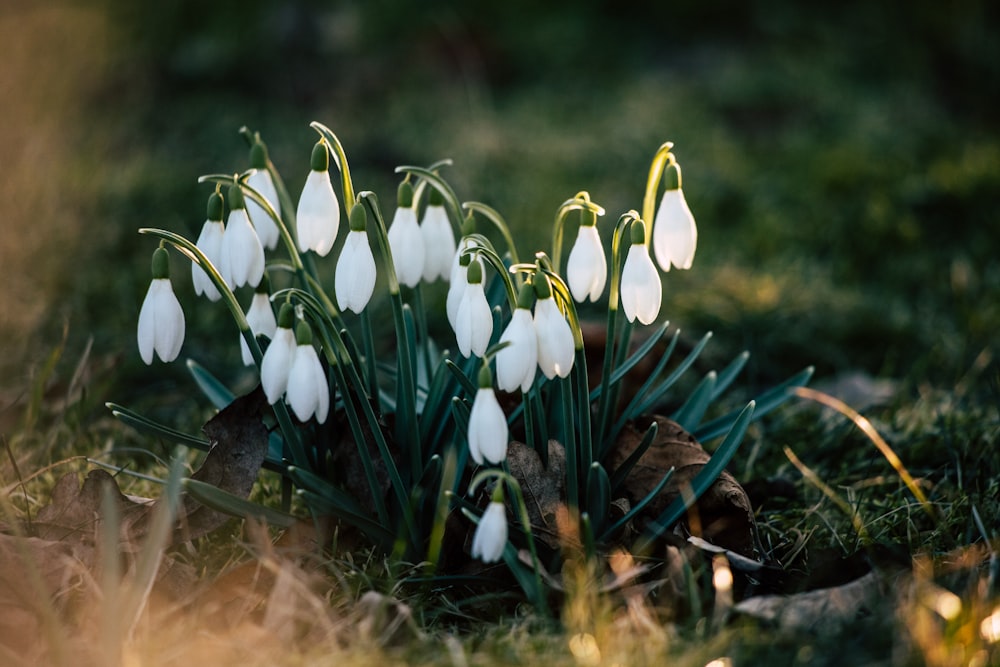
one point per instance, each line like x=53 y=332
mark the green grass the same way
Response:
x=844 y=188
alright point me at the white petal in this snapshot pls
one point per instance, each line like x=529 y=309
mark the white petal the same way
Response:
x=587 y=268
x=490 y=538
x=161 y=323
x=675 y=235
x=641 y=291
x=210 y=244
x=277 y=364
x=242 y=254
x=354 y=280
x=488 y=434
x=474 y=322
x=516 y=363
x=267 y=229
x=555 y=339
x=407 y=246
x=308 y=393
x=439 y=244
x=260 y=317
x=318 y=215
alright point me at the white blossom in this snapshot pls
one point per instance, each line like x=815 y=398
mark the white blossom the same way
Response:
x=439 y=243
x=210 y=243
x=587 y=268
x=267 y=230
x=641 y=291
x=458 y=280
x=490 y=537
x=406 y=243
x=260 y=317
x=242 y=255
x=555 y=339
x=161 y=322
x=354 y=280
x=317 y=217
x=517 y=363
x=277 y=364
x=675 y=235
x=488 y=434
x=474 y=321
x=308 y=392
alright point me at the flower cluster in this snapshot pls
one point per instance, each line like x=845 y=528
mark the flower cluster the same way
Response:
x=536 y=329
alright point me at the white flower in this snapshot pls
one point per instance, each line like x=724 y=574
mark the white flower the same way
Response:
x=675 y=235
x=267 y=230
x=587 y=269
x=439 y=243
x=354 y=281
x=490 y=537
x=474 y=321
x=555 y=339
x=317 y=218
x=640 y=287
x=308 y=392
x=277 y=364
x=260 y=317
x=161 y=322
x=516 y=363
x=407 y=245
x=210 y=244
x=242 y=256
x=488 y=433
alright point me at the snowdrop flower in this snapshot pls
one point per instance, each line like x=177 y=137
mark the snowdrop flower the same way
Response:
x=161 y=320
x=488 y=434
x=517 y=363
x=555 y=339
x=354 y=281
x=210 y=244
x=278 y=357
x=439 y=241
x=405 y=240
x=490 y=537
x=474 y=321
x=587 y=269
x=242 y=256
x=308 y=393
x=640 y=287
x=260 y=317
x=317 y=217
x=459 y=279
x=261 y=181
x=675 y=235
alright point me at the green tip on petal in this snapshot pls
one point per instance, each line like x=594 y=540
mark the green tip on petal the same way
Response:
x=526 y=296
x=320 y=158
x=475 y=274
x=236 y=197
x=638 y=232
x=672 y=176
x=286 y=316
x=258 y=155
x=215 y=207
x=587 y=218
x=160 y=264
x=497 y=496
x=485 y=377
x=359 y=218
x=404 y=195
x=469 y=224
x=464 y=260
x=303 y=333
x=435 y=198
x=542 y=288
x=264 y=286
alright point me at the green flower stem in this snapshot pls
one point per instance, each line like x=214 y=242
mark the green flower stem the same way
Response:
x=606 y=404
x=407 y=428
x=580 y=201
x=582 y=406
x=370 y=363
x=498 y=221
x=569 y=444
x=192 y=252
x=423 y=336
x=441 y=185
x=662 y=158
x=337 y=150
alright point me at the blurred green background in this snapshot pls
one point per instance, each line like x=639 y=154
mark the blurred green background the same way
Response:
x=842 y=159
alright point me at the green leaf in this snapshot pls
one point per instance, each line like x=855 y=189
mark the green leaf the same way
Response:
x=233 y=505
x=632 y=513
x=689 y=414
x=656 y=394
x=729 y=373
x=150 y=427
x=636 y=357
x=766 y=402
x=621 y=474
x=217 y=393
x=598 y=494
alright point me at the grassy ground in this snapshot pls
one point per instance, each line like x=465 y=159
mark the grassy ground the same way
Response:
x=843 y=166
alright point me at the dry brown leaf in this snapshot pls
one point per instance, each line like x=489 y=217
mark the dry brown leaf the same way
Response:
x=543 y=488
x=723 y=515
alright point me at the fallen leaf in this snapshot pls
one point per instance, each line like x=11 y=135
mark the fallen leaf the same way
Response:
x=543 y=488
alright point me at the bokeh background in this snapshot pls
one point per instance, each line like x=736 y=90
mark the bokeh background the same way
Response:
x=842 y=158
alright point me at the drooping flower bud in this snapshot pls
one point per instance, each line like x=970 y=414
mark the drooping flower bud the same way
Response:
x=675 y=235
x=641 y=292
x=354 y=280
x=405 y=239
x=261 y=181
x=317 y=218
x=161 y=319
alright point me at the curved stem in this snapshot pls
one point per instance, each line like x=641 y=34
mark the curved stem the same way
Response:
x=662 y=158
x=442 y=186
x=498 y=221
x=485 y=249
x=340 y=157
x=580 y=201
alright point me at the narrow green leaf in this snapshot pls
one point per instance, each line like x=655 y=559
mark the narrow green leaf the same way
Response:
x=598 y=495
x=217 y=393
x=621 y=474
x=689 y=414
x=233 y=505
x=632 y=513
x=766 y=402
x=729 y=373
x=150 y=427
